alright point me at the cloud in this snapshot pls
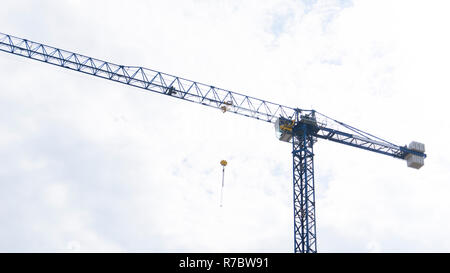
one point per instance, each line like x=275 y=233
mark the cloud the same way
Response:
x=92 y=165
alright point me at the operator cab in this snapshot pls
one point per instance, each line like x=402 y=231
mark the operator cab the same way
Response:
x=283 y=129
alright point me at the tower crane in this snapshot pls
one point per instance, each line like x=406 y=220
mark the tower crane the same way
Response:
x=300 y=127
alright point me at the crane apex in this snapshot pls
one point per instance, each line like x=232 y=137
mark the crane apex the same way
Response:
x=223 y=163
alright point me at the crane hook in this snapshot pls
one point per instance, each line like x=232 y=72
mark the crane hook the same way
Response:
x=223 y=163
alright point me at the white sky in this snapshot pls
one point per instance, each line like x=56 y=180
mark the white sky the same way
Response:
x=92 y=165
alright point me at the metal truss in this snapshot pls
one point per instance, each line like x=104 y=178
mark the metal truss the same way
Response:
x=363 y=143
x=304 y=197
x=148 y=79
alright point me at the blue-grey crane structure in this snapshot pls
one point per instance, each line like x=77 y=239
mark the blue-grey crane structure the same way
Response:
x=300 y=127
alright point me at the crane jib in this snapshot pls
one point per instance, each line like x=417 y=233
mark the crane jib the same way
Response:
x=148 y=79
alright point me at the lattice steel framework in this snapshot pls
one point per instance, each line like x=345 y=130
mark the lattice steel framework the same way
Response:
x=148 y=79
x=304 y=196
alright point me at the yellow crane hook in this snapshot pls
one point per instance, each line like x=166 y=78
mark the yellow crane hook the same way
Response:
x=223 y=163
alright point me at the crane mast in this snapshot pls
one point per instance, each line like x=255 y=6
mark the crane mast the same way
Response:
x=300 y=127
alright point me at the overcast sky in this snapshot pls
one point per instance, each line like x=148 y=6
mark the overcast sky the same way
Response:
x=92 y=165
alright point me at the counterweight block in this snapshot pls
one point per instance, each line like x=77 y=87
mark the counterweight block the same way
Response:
x=413 y=160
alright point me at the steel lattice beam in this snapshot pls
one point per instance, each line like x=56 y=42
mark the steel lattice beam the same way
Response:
x=148 y=79
x=304 y=197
